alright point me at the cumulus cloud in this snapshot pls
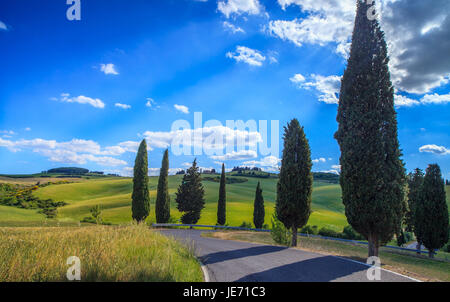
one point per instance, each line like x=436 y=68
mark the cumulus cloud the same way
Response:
x=123 y=106
x=319 y=160
x=3 y=26
x=181 y=108
x=415 y=31
x=440 y=150
x=247 y=55
x=232 y=28
x=76 y=151
x=328 y=87
x=208 y=138
x=65 y=97
x=108 y=69
x=238 y=7
x=236 y=155
x=268 y=163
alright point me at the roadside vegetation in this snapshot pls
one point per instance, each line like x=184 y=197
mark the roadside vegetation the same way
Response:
x=126 y=253
x=415 y=266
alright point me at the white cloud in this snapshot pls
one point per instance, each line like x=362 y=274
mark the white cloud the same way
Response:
x=268 y=163
x=239 y=155
x=434 y=149
x=108 y=69
x=238 y=7
x=65 y=97
x=327 y=86
x=403 y=101
x=76 y=151
x=27 y=129
x=414 y=31
x=232 y=28
x=209 y=138
x=247 y=55
x=319 y=160
x=3 y=26
x=327 y=22
x=7 y=132
x=123 y=106
x=150 y=103
x=436 y=99
x=181 y=108
x=297 y=78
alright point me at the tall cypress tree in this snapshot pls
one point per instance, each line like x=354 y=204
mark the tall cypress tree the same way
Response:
x=372 y=173
x=258 y=208
x=190 y=195
x=162 y=205
x=294 y=188
x=221 y=205
x=432 y=211
x=140 y=204
x=415 y=183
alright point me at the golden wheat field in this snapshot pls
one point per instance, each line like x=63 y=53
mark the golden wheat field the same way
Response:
x=123 y=253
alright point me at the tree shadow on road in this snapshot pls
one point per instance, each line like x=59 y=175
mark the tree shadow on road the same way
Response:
x=240 y=253
x=319 y=269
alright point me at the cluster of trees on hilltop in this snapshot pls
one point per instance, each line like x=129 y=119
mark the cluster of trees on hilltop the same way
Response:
x=243 y=169
x=67 y=170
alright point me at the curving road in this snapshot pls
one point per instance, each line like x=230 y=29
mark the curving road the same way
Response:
x=228 y=261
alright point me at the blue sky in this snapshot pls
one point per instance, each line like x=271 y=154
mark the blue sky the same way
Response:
x=84 y=93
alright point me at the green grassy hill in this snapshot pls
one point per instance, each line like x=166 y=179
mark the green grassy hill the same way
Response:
x=114 y=195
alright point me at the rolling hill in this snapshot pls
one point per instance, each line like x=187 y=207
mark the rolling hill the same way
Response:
x=114 y=196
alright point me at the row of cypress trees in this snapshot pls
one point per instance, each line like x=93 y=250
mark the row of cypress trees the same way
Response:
x=140 y=204
x=427 y=214
x=258 y=206
x=189 y=197
x=373 y=177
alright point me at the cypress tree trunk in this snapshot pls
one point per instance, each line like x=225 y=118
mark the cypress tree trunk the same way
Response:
x=140 y=199
x=294 y=236
x=372 y=174
x=294 y=188
x=162 y=205
x=221 y=205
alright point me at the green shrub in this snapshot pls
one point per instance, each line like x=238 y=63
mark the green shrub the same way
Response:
x=279 y=233
x=310 y=230
x=327 y=232
x=247 y=225
x=350 y=233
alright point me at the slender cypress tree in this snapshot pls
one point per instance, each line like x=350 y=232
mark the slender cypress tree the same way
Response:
x=258 y=208
x=190 y=195
x=140 y=204
x=415 y=184
x=221 y=205
x=432 y=211
x=162 y=205
x=294 y=188
x=372 y=174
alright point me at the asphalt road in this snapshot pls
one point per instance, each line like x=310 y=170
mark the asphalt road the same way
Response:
x=228 y=261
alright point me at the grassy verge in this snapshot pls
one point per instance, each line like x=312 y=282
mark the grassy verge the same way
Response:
x=419 y=267
x=127 y=253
